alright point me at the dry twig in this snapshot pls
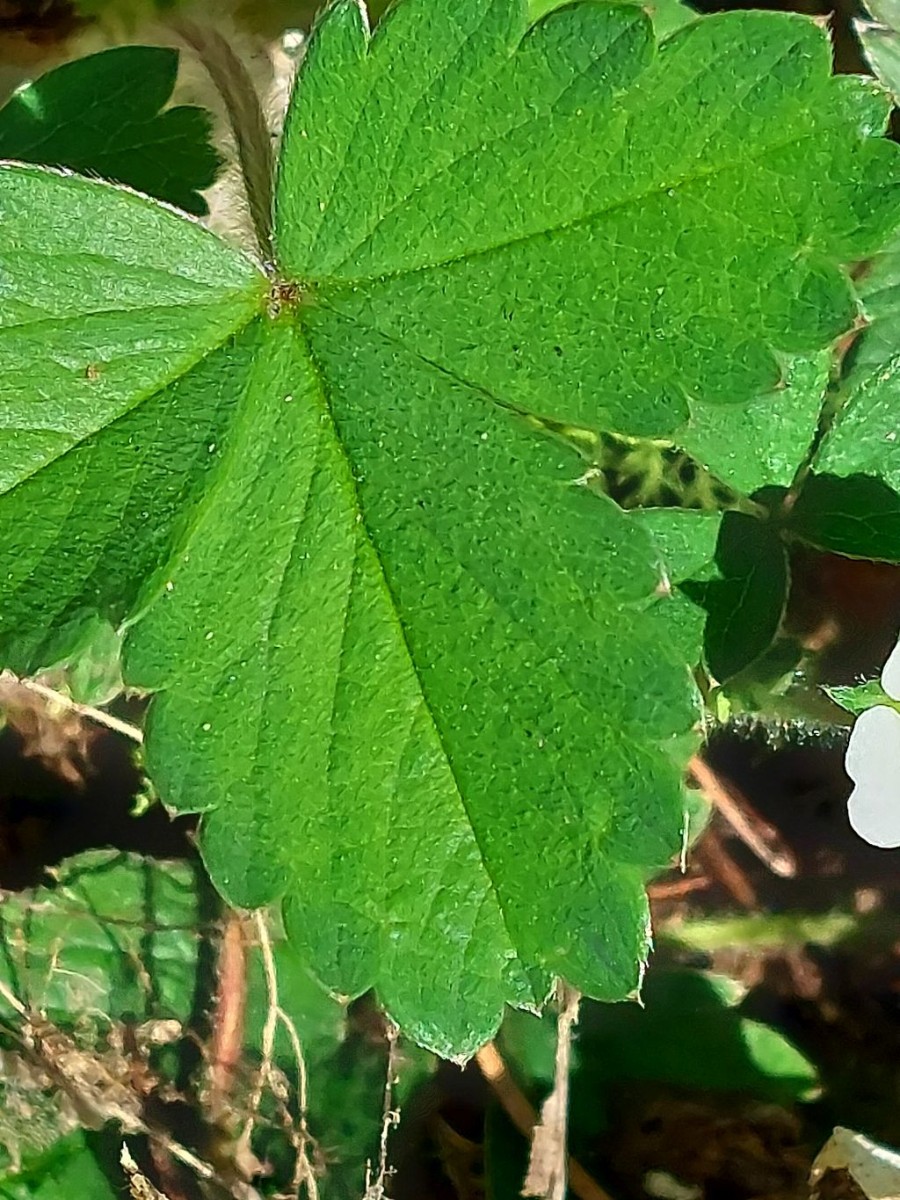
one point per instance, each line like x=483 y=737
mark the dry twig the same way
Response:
x=757 y=834
x=390 y=1118
x=10 y=682
x=304 y=1174
x=547 y=1162
x=523 y=1116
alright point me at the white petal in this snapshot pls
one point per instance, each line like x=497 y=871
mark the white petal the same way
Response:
x=890 y=676
x=873 y=763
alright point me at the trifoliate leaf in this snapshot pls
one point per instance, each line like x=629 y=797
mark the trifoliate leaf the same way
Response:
x=415 y=672
x=105 y=115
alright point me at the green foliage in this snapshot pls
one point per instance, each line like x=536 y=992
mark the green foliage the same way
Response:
x=746 y=600
x=862 y=696
x=114 y=937
x=858 y=515
x=688 y=1032
x=881 y=41
x=428 y=687
x=68 y=1169
x=105 y=115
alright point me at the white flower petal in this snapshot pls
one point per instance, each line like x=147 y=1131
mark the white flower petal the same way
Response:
x=890 y=676
x=873 y=763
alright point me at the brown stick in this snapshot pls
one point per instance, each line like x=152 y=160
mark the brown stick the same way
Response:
x=757 y=834
x=10 y=683
x=675 y=889
x=523 y=1116
x=227 y=1043
x=549 y=1161
x=711 y=852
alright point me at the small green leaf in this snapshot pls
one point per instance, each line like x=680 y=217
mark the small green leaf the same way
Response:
x=745 y=604
x=686 y=540
x=858 y=515
x=862 y=696
x=864 y=440
x=105 y=115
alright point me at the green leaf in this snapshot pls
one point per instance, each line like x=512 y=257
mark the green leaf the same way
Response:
x=858 y=516
x=417 y=675
x=746 y=602
x=688 y=1032
x=105 y=115
x=686 y=540
x=515 y=297
x=115 y=937
x=862 y=696
x=667 y=15
x=864 y=439
x=390 y=744
x=67 y=1169
x=118 y=334
x=881 y=41
x=760 y=443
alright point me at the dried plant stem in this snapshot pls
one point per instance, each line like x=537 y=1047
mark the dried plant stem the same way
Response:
x=520 y=1112
x=269 y=1029
x=9 y=682
x=12 y=1000
x=548 y=1161
x=757 y=834
x=717 y=862
x=375 y=1188
x=227 y=1044
x=304 y=1175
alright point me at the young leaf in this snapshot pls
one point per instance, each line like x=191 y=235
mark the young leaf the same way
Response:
x=105 y=115
x=414 y=672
